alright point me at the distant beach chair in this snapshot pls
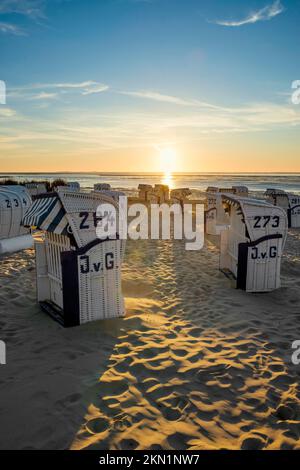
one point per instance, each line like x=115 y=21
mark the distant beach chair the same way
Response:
x=180 y=195
x=146 y=193
x=289 y=202
x=14 y=201
x=252 y=245
x=35 y=188
x=216 y=218
x=78 y=274
x=108 y=191
x=240 y=191
x=102 y=187
x=162 y=192
x=71 y=185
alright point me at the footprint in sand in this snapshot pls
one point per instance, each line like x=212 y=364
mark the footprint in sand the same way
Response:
x=128 y=444
x=253 y=443
x=171 y=414
x=178 y=441
x=121 y=423
x=180 y=403
x=285 y=412
x=97 y=425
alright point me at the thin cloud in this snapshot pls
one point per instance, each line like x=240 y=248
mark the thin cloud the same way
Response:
x=264 y=14
x=95 y=89
x=32 y=9
x=155 y=96
x=8 y=28
x=36 y=86
x=87 y=88
x=90 y=130
x=85 y=85
x=43 y=96
x=47 y=91
x=152 y=95
x=7 y=112
x=29 y=8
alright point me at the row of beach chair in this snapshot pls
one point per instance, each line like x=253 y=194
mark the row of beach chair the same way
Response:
x=79 y=275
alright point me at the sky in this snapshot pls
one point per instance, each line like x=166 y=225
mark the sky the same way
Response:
x=149 y=85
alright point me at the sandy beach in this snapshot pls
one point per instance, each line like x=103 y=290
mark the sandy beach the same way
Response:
x=177 y=123
x=195 y=364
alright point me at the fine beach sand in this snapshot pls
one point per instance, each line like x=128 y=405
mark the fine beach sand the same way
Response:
x=195 y=364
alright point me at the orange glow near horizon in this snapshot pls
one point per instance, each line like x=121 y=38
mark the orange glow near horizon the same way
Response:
x=235 y=156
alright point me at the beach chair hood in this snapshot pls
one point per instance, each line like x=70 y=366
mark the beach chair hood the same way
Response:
x=47 y=213
x=68 y=213
x=261 y=219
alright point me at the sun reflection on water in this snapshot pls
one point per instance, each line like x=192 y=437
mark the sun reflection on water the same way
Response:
x=168 y=179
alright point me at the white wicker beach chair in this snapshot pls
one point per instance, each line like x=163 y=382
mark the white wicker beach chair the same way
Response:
x=216 y=219
x=14 y=201
x=179 y=195
x=146 y=192
x=289 y=202
x=252 y=245
x=71 y=186
x=102 y=187
x=240 y=191
x=162 y=192
x=36 y=188
x=78 y=274
x=106 y=189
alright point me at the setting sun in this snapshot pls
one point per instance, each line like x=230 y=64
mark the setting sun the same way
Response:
x=168 y=164
x=168 y=160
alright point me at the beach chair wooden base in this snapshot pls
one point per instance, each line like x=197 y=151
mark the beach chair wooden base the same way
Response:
x=54 y=312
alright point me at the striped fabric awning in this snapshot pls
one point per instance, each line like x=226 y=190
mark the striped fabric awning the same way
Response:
x=47 y=213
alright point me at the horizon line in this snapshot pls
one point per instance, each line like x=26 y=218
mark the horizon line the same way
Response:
x=3 y=174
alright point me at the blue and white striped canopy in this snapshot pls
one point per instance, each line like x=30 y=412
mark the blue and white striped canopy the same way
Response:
x=47 y=213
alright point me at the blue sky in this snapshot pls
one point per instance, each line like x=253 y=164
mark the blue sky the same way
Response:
x=110 y=84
